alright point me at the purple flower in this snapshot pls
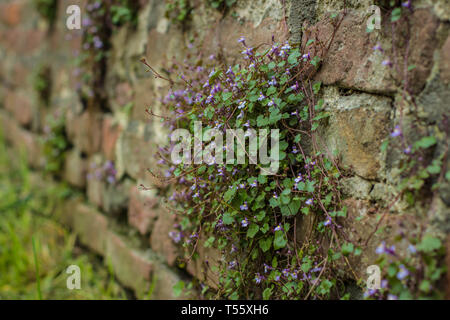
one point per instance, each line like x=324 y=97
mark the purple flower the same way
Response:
x=403 y=273
x=286 y=47
x=378 y=48
x=306 y=56
x=387 y=63
x=175 y=236
x=327 y=222
x=407 y=4
x=273 y=82
x=407 y=150
x=244 y=222
x=243 y=208
x=271 y=103
x=294 y=150
x=309 y=201
x=392 y=297
x=285 y=272
x=299 y=178
x=242 y=40
x=277 y=278
x=412 y=249
x=241 y=105
x=267 y=268
x=261 y=97
x=295 y=86
x=258 y=278
x=232 y=264
x=254 y=184
x=278 y=228
x=248 y=52
x=397 y=132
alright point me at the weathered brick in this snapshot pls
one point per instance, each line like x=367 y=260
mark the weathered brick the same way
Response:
x=11 y=13
x=160 y=241
x=85 y=130
x=141 y=210
x=91 y=227
x=110 y=135
x=19 y=104
x=75 y=169
x=132 y=268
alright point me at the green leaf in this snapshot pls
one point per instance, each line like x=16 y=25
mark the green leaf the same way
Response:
x=429 y=244
x=267 y=293
x=425 y=142
x=290 y=209
x=347 y=248
x=293 y=57
x=227 y=218
x=396 y=14
x=280 y=240
x=178 y=288
x=226 y=95
x=265 y=244
x=229 y=194
x=252 y=230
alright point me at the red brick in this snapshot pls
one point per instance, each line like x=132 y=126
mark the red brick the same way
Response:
x=110 y=135
x=19 y=105
x=91 y=227
x=141 y=212
x=11 y=13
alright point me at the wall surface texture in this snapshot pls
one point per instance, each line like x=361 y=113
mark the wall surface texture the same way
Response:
x=112 y=141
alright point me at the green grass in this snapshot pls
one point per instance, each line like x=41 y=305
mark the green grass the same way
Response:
x=35 y=250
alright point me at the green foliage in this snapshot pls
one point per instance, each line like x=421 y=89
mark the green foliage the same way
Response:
x=237 y=206
x=55 y=144
x=47 y=9
x=35 y=251
x=178 y=11
x=221 y=4
x=42 y=84
x=124 y=11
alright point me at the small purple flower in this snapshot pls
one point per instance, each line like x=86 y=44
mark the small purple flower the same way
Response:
x=242 y=40
x=309 y=201
x=285 y=272
x=392 y=297
x=244 y=222
x=278 y=228
x=407 y=4
x=286 y=47
x=243 y=208
x=407 y=150
x=232 y=264
x=258 y=278
x=271 y=103
x=412 y=249
x=261 y=97
x=397 y=132
x=267 y=268
x=277 y=278
x=381 y=248
x=387 y=63
x=378 y=48
x=306 y=56
x=273 y=82
x=299 y=178
x=248 y=52
x=295 y=86
x=175 y=236
x=294 y=150
x=403 y=273
x=241 y=105
x=327 y=222
x=254 y=184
